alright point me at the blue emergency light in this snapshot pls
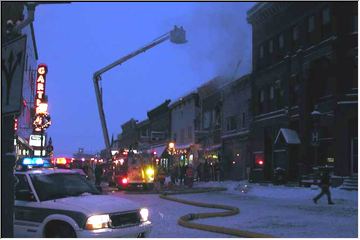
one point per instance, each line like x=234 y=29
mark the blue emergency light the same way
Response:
x=33 y=162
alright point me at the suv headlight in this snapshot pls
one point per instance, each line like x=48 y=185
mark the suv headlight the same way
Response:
x=97 y=222
x=144 y=213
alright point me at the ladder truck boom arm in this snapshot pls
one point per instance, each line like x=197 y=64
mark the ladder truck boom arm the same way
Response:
x=177 y=35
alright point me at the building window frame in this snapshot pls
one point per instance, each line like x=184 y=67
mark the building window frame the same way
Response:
x=311 y=24
x=231 y=123
x=295 y=33
x=243 y=119
x=281 y=41
x=262 y=96
x=271 y=46
x=325 y=16
x=190 y=132
x=354 y=25
x=271 y=92
x=261 y=51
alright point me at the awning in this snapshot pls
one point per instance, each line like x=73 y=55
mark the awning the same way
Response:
x=290 y=136
x=213 y=147
x=158 y=149
x=182 y=146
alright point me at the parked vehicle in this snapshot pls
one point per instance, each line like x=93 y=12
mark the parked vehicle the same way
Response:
x=52 y=202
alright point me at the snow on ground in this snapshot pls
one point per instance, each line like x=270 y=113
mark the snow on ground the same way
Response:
x=164 y=215
x=278 y=210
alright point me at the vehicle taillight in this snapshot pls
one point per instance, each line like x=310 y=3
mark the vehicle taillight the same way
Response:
x=124 y=181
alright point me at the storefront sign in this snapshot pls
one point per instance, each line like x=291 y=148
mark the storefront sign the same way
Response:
x=35 y=140
x=40 y=86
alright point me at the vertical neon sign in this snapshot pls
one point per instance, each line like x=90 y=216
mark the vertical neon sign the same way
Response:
x=40 y=86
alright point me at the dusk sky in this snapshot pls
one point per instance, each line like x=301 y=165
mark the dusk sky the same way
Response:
x=77 y=39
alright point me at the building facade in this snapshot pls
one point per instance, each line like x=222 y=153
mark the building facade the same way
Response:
x=304 y=81
x=184 y=121
x=23 y=127
x=128 y=139
x=209 y=134
x=236 y=119
x=143 y=135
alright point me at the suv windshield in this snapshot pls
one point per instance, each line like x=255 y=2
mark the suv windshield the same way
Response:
x=60 y=185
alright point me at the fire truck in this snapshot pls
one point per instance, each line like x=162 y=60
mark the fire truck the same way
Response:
x=68 y=163
x=131 y=171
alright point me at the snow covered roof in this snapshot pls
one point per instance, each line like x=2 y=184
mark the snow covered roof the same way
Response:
x=290 y=136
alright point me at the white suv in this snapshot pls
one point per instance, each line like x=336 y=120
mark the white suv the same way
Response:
x=62 y=203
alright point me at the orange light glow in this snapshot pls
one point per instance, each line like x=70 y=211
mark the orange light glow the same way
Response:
x=61 y=161
x=42 y=108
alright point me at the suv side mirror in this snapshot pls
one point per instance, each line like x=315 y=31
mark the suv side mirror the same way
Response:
x=24 y=195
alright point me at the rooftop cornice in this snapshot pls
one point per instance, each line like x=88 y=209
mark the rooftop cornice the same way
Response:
x=262 y=11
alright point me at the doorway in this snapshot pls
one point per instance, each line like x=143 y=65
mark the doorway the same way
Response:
x=354 y=155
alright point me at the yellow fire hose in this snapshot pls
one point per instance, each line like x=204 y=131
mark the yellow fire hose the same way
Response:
x=185 y=220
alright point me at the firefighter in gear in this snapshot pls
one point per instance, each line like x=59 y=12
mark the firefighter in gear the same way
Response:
x=189 y=176
x=161 y=176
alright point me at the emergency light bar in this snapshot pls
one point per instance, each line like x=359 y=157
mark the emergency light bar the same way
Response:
x=35 y=162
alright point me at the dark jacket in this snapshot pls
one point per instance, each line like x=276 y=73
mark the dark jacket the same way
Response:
x=325 y=179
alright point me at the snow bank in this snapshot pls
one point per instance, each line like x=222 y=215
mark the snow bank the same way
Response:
x=277 y=192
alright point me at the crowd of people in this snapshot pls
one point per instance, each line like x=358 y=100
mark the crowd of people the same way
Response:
x=180 y=173
x=185 y=174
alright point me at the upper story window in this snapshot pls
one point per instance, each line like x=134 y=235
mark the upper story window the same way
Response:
x=311 y=24
x=281 y=41
x=354 y=23
x=271 y=92
x=271 y=46
x=231 y=123
x=144 y=133
x=262 y=98
x=190 y=132
x=206 y=119
x=295 y=33
x=243 y=119
x=182 y=135
x=325 y=16
x=261 y=53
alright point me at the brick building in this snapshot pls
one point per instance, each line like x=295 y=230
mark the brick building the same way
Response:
x=304 y=86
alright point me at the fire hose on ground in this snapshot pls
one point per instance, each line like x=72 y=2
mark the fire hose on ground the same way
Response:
x=185 y=220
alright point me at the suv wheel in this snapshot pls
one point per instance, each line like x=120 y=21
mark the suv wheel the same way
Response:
x=59 y=229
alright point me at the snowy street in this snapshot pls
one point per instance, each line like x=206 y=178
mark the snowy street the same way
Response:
x=277 y=210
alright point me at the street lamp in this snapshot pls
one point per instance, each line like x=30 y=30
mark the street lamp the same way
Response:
x=177 y=35
x=171 y=145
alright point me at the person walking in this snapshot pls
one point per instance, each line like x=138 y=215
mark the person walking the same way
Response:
x=198 y=170
x=173 y=173
x=217 y=171
x=325 y=187
x=206 y=171
x=98 y=174
x=161 y=176
x=182 y=173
